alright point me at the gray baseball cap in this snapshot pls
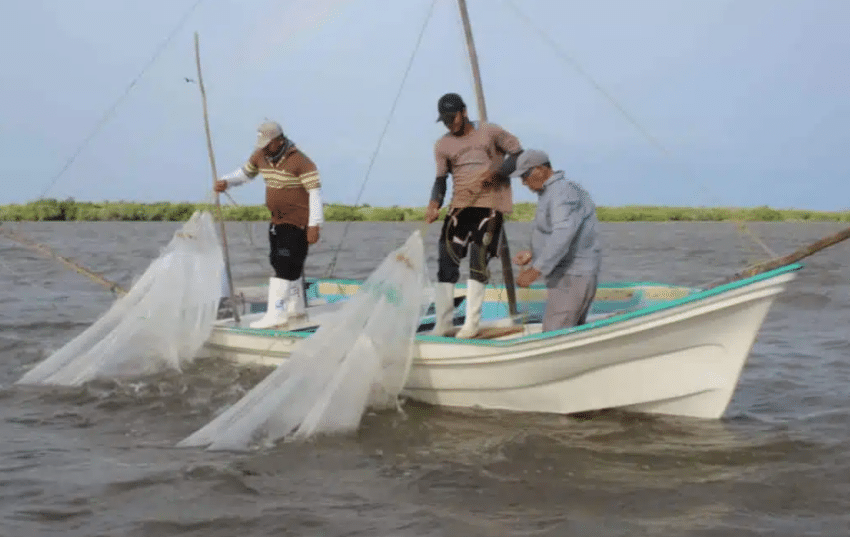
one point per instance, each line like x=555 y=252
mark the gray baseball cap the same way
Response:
x=267 y=132
x=528 y=159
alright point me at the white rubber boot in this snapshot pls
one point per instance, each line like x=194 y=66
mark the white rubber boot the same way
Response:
x=295 y=306
x=276 y=313
x=444 y=297
x=474 y=301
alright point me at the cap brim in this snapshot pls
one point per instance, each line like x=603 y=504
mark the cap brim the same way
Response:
x=447 y=116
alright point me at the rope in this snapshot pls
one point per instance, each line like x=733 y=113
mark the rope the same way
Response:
x=73 y=265
x=332 y=265
x=249 y=227
x=620 y=108
x=111 y=110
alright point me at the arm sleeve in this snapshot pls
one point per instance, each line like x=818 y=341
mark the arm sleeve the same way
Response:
x=317 y=215
x=566 y=214
x=248 y=171
x=508 y=144
x=438 y=192
x=508 y=165
x=308 y=174
x=444 y=168
x=237 y=177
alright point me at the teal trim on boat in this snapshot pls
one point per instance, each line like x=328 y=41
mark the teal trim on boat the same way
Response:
x=270 y=332
x=696 y=296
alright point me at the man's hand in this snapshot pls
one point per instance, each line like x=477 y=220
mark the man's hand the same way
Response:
x=432 y=212
x=220 y=185
x=527 y=277
x=522 y=258
x=312 y=234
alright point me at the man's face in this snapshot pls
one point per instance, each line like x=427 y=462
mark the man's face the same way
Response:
x=454 y=121
x=273 y=147
x=534 y=178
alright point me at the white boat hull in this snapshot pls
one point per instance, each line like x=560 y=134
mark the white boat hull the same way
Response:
x=681 y=359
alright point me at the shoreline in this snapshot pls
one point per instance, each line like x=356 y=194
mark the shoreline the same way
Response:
x=50 y=210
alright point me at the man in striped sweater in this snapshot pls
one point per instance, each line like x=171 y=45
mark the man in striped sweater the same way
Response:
x=293 y=196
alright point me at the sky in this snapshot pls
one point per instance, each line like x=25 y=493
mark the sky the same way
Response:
x=657 y=102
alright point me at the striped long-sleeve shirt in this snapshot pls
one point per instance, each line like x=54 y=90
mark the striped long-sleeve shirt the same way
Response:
x=287 y=181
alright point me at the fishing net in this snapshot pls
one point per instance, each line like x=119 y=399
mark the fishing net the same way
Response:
x=358 y=358
x=160 y=323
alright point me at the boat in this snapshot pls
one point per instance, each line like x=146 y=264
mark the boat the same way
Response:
x=647 y=347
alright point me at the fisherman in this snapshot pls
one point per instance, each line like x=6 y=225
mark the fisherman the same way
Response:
x=480 y=158
x=564 y=242
x=293 y=196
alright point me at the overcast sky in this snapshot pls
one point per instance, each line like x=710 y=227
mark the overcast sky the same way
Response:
x=661 y=102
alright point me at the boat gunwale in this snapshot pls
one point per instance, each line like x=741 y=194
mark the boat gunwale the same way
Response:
x=617 y=318
x=614 y=318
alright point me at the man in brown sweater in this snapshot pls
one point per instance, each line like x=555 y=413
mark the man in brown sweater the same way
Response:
x=293 y=196
x=480 y=159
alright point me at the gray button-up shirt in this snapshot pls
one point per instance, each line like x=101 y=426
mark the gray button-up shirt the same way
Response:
x=565 y=236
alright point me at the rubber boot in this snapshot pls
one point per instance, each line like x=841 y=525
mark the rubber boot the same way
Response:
x=295 y=303
x=474 y=301
x=444 y=296
x=276 y=313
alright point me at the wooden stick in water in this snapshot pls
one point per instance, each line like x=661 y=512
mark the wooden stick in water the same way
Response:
x=73 y=265
x=799 y=254
x=215 y=178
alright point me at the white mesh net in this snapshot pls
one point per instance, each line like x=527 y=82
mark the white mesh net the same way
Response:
x=357 y=359
x=160 y=323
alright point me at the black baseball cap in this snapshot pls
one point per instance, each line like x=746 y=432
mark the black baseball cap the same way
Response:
x=450 y=103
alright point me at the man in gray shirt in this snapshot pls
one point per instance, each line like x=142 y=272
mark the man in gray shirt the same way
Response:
x=564 y=242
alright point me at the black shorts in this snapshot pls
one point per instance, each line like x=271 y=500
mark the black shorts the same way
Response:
x=288 y=250
x=476 y=229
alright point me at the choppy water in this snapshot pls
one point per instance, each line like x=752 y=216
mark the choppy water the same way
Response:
x=98 y=460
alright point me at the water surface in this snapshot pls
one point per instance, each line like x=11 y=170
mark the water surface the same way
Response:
x=99 y=459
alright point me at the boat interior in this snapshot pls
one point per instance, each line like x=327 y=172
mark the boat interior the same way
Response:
x=612 y=299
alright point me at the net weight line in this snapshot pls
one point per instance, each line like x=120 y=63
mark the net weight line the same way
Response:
x=73 y=265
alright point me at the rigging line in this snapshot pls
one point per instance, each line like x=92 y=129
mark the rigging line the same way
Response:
x=572 y=61
x=111 y=111
x=247 y=225
x=332 y=264
x=616 y=104
x=742 y=227
x=43 y=249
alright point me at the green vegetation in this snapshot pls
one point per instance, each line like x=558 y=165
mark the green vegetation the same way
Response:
x=70 y=210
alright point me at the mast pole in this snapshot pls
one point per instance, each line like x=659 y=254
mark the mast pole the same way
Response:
x=215 y=178
x=504 y=250
x=473 y=60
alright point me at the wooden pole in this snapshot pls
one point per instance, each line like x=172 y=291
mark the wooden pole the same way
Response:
x=45 y=250
x=473 y=60
x=215 y=178
x=504 y=249
x=797 y=255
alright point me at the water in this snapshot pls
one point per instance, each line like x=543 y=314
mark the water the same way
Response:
x=99 y=459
